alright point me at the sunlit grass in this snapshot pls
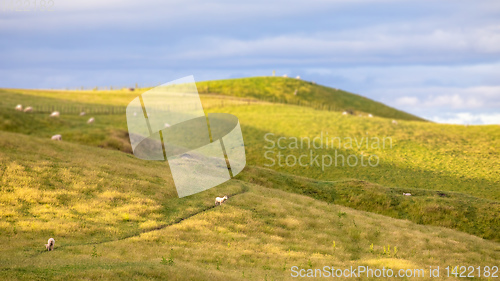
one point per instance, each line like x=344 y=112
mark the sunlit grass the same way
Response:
x=117 y=217
x=247 y=237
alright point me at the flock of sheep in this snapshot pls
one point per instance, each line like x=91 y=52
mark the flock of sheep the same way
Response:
x=298 y=77
x=51 y=242
x=394 y=122
x=54 y=114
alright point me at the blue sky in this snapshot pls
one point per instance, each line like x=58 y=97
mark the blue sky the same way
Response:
x=437 y=59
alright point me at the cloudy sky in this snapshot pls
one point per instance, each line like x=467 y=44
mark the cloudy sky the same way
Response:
x=436 y=59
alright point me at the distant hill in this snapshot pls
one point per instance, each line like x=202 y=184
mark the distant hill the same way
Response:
x=300 y=92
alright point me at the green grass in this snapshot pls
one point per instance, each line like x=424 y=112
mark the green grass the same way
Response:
x=278 y=89
x=441 y=208
x=114 y=216
x=423 y=155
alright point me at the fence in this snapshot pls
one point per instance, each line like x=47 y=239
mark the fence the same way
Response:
x=208 y=101
x=72 y=109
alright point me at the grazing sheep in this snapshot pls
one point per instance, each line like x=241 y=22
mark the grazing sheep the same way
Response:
x=298 y=77
x=369 y=115
x=82 y=113
x=135 y=113
x=56 y=137
x=394 y=122
x=55 y=114
x=220 y=200
x=166 y=125
x=284 y=75
x=28 y=109
x=50 y=244
x=406 y=194
x=91 y=120
x=19 y=107
x=314 y=83
x=344 y=113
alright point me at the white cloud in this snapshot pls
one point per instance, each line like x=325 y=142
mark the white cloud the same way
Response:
x=425 y=57
x=407 y=101
x=374 y=44
x=167 y=14
x=467 y=118
x=450 y=97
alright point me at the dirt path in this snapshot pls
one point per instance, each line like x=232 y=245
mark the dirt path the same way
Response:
x=244 y=189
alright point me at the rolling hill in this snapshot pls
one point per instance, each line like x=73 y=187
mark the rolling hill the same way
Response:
x=269 y=89
x=300 y=92
x=114 y=216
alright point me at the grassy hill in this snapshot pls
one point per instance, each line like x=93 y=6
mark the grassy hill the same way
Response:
x=114 y=216
x=422 y=155
x=300 y=92
x=270 y=89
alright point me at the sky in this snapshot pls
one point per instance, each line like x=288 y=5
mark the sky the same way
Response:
x=437 y=59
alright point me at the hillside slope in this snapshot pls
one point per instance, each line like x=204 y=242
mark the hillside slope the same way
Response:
x=270 y=89
x=300 y=92
x=446 y=167
x=114 y=217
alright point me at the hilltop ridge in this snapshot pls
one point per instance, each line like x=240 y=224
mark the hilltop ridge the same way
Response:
x=301 y=92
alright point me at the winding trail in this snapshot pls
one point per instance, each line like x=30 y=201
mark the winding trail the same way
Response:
x=244 y=189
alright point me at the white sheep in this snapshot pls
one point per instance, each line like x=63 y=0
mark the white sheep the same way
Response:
x=56 y=137
x=55 y=114
x=166 y=125
x=369 y=115
x=91 y=120
x=344 y=113
x=50 y=244
x=19 y=107
x=28 y=109
x=394 y=122
x=220 y=200
x=298 y=77
x=284 y=75
x=82 y=113
x=406 y=194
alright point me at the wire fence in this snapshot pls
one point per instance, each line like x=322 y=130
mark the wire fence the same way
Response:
x=121 y=110
x=75 y=110
x=208 y=101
